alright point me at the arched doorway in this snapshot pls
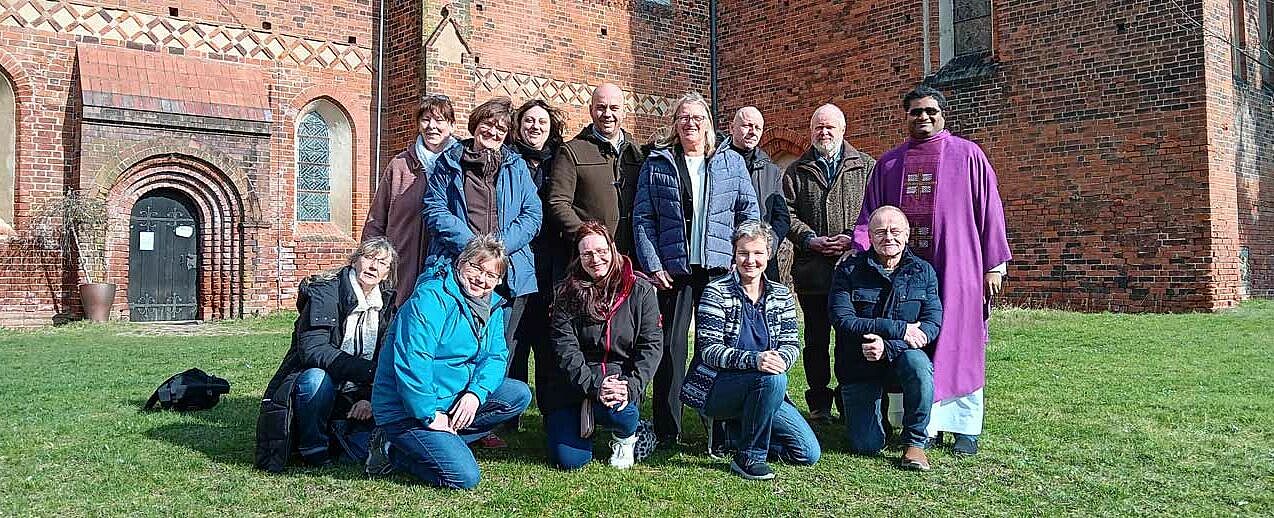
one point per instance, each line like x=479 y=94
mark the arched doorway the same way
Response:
x=163 y=258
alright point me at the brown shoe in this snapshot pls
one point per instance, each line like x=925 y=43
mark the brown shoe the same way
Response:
x=914 y=458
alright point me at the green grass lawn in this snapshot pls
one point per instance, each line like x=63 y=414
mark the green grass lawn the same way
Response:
x=1087 y=414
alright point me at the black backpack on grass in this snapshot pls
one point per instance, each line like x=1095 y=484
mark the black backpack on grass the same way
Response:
x=190 y=390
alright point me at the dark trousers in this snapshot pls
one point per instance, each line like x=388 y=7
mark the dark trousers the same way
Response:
x=817 y=353
x=676 y=308
x=513 y=319
x=567 y=450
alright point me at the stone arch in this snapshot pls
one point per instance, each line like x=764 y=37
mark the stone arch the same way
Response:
x=221 y=217
x=784 y=141
x=341 y=142
x=216 y=163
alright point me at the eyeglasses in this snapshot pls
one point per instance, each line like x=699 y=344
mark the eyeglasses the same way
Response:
x=489 y=126
x=383 y=261
x=892 y=232
x=930 y=111
x=490 y=276
x=697 y=119
x=595 y=254
x=747 y=126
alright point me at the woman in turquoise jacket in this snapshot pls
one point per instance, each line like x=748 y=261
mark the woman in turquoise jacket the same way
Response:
x=440 y=380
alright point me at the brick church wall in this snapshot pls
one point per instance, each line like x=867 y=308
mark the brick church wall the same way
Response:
x=308 y=51
x=1094 y=115
x=556 y=51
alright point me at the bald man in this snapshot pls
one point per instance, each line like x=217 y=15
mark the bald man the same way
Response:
x=767 y=178
x=594 y=176
x=824 y=192
x=885 y=306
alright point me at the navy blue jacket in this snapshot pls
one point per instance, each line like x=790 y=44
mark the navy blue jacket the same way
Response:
x=521 y=214
x=864 y=299
x=662 y=209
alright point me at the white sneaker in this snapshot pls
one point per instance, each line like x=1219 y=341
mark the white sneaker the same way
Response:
x=622 y=456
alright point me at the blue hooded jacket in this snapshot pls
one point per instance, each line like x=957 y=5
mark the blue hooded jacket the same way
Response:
x=662 y=215
x=519 y=207
x=431 y=355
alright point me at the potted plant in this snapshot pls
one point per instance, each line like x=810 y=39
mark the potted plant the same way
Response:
x=76 y=224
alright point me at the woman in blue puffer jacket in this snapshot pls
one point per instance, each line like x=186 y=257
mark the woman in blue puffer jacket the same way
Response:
x=690 y=197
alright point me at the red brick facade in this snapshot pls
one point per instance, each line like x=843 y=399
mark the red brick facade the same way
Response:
x=1129 y=160
x=1135 y=167
x=123 y=99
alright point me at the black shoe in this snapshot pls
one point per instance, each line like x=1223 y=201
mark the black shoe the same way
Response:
x=318 y=459
x=965 y=444
x=378 y=463
x=821 y=416
x=668 y=442
x=751 y=470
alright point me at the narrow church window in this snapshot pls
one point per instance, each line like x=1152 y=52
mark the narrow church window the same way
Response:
x=1238 y=40
x=8 y=149
x=313 y=169
x=971 y=25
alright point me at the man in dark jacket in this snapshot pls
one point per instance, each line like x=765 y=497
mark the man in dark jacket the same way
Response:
x=886 y=309
x=767 y=178
x=824 y=190
x=595 y=175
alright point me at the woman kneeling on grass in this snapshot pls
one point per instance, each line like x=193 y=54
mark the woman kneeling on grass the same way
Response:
x=745 y=342
x=440 y=383
x=325 y=380
x=606 y=342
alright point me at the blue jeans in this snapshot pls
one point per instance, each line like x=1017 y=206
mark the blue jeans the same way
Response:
x=443 y=459
x=791 y=438
x=312 y=398
x=765 y=421
x=567 y=450
x=861 y=395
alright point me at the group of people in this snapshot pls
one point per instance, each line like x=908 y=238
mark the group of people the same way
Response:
x=594 y=255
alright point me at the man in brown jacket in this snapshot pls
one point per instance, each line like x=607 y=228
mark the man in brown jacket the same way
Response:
x=824 y=190
x=395 y=210
x=595 y=174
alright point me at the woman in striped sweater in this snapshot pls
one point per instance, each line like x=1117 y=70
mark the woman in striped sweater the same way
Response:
x=746 y=341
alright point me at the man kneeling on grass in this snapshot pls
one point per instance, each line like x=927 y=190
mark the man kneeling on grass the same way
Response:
x=885 y=307
x=440 y=381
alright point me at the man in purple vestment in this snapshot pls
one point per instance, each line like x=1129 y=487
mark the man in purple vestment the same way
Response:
x=947 y=188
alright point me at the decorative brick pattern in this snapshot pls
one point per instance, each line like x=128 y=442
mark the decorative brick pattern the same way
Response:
x=562 y=93
x=181 y=35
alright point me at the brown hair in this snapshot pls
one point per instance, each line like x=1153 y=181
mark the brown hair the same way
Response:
x=437 y=105
x=579 y=292
x=499 y=108
x=555 y=123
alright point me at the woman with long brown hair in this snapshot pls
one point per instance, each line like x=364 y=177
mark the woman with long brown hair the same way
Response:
x=606 y=345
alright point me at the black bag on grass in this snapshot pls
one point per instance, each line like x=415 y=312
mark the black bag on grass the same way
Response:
x=190 y=390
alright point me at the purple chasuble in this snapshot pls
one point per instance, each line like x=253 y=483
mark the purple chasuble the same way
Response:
x=947 y=188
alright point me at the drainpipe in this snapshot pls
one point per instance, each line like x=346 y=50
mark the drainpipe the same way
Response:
x=712 y=54
x=380 y=80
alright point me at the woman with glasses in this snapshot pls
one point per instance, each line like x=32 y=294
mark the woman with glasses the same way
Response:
x=689 y=199
x=325 y=381
x=480 y=187
x=395 y=210
x=440 y=384
x=606 y=345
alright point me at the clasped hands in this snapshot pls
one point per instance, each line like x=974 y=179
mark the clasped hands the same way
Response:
x=613 y=392
x=874 y=346
x=460 y=416
x=832 y=246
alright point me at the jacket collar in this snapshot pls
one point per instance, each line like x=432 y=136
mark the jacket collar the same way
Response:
x=452 y=155
x=908 y=258
x=442 y=271
x=770 y=286
x=591 y=135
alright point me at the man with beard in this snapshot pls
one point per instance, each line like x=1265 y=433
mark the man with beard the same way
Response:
x=824 y=190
